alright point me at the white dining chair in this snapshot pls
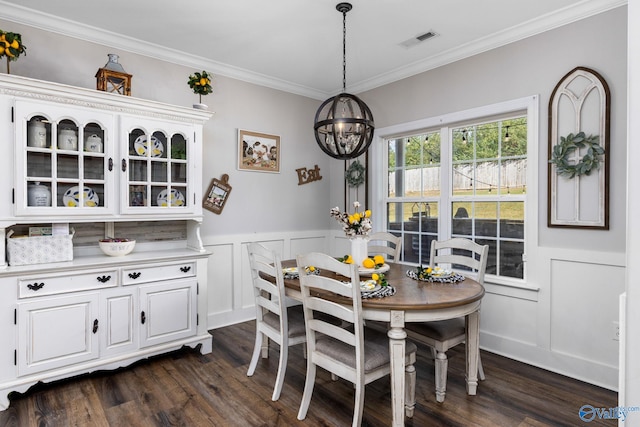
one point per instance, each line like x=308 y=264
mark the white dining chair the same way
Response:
x=274 y=320
x=445 y=334
x=385 y=243
x=352 y=352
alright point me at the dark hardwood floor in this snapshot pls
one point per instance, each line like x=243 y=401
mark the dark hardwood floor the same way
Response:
x=185 y=388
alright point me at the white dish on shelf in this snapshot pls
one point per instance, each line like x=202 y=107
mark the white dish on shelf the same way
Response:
x=174 y=198
x=71 y=197
x=369 y=271
x=141 y=145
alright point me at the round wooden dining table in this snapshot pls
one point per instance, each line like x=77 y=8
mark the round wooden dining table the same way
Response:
x=417 y=301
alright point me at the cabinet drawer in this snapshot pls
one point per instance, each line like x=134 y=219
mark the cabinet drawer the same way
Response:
x=50 y=285
x=146 y=274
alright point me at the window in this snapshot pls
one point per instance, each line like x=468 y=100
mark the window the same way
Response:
x=465 y=175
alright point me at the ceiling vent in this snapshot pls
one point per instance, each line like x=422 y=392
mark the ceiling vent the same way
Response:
x=419 y=39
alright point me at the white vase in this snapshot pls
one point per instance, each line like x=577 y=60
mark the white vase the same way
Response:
x=359 y=251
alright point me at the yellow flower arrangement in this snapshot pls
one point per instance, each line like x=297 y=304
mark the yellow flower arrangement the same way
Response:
x=355 y=224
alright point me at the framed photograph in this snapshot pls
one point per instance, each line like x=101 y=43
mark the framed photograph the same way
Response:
x=258 y=152
x=217 y=194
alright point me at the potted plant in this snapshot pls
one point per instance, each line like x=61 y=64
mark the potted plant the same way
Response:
x=200 y=83
x=11 y=47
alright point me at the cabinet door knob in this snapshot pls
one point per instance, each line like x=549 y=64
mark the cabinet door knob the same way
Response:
x=185 y=269
x=134 y=275
x=95 y=326
x=110 y=164
x=124 y=165
x=103 y=279
x=36 y=286
x=143 y=317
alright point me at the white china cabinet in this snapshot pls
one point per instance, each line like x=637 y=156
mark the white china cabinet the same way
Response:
x=81 y=156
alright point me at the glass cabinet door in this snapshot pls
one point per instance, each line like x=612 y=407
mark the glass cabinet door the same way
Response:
x=156 y=166
x=62 y=160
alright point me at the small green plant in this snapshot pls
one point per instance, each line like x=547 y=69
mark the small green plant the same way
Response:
x=200 y=83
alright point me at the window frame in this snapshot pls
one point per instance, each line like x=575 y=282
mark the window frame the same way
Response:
x=526 y=106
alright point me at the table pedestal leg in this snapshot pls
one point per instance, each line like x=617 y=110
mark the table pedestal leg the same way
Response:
x=472 y=349
x=397 y=337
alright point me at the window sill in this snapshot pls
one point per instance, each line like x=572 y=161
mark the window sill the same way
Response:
x=511 y=288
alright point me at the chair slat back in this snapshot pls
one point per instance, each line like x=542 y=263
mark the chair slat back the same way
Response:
x=337 y=278
x=268 y=296
x=384 y=243
x=473 y=256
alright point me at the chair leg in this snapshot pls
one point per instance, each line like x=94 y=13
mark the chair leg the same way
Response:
x=265 y=348
x=282 y=369
x=358 y=405
x=480 y=369
x=308 y=390
x=442 y=365
x=410 y=389
x=256 y=354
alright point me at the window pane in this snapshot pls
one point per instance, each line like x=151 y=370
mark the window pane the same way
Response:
x=462 y=179
x=462 y=144
x=511 y=264
x=486 y=218
x=492 y=264
x=513 y=176
x=486 y=181
x=512 y=220
x=515 y=144
x=487 y=141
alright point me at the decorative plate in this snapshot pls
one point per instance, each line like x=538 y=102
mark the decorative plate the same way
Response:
x=141 y=145
x=441 y=273
x=369 y=271
x=71 y=197
x=369 y=286
x=292 y=272
x=175 y=198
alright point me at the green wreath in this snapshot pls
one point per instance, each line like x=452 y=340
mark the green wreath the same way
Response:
x=568 y=145
x=354 y=174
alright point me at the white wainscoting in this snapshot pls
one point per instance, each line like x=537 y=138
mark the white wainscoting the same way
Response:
x=564 y=322
x=230 y=288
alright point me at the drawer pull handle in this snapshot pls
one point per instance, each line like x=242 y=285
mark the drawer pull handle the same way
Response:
x=95 y=326
x=185 y=269
x=36 y=286
x=143 y=317
x=135 y=275
x=103 y=279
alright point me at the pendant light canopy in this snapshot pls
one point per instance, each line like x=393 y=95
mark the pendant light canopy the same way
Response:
x=344 y=124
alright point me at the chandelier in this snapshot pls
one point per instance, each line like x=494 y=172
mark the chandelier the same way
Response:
x=344 y=124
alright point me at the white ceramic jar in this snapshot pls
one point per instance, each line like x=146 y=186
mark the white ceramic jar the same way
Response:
x=93 y=143
x=38 y=195
x=67 y=139
x=36 y=134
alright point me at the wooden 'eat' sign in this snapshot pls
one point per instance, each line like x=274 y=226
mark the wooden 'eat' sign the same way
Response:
x=306 y=176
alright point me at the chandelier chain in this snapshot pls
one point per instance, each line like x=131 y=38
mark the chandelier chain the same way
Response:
x=344 y=51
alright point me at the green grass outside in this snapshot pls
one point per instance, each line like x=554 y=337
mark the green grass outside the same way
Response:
x=486 y=210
